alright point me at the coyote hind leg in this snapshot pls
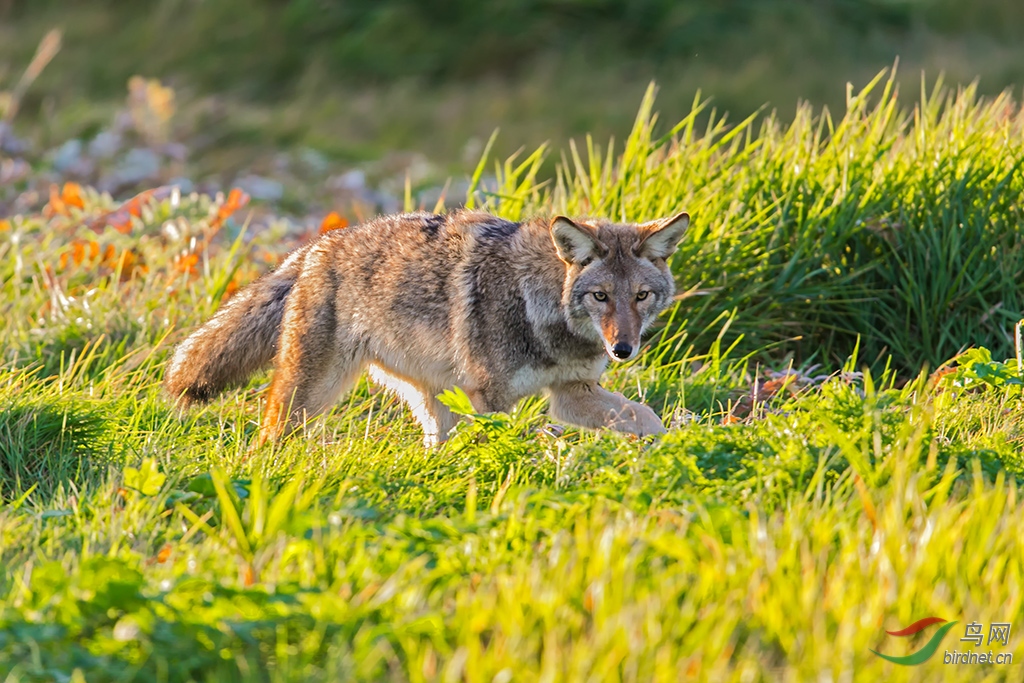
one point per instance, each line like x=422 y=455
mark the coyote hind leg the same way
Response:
x=295 y=398
x=312 y=367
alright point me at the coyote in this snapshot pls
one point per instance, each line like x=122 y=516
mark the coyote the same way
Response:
x=429 y=302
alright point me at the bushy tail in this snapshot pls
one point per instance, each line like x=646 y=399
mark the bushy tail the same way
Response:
x=239 y=340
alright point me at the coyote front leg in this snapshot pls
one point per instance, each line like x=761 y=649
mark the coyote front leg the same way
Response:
x=588 y=405
x=435 y=417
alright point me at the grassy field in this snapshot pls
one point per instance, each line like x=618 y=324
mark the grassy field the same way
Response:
x=827 y=475
x=359 y=79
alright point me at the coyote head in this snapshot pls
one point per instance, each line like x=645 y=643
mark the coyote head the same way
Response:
x=616 y=278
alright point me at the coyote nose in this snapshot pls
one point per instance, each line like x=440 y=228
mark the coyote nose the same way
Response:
x=622 y=350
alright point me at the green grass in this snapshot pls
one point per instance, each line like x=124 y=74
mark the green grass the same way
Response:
x=360 y=80
x=771 y=535
x=894 y=224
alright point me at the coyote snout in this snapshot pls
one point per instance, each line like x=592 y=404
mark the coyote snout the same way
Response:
x=429 y=302
x=620 y=324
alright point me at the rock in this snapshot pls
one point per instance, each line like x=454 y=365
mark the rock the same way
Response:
x=123 y=122
x=386 y=203
x=13 y=170
x=316 y=162
x=282 y=162
x=175 y=151
x=139 y=165
x=260 y=188
x=185 y=185
x=10 y=143
x=105 y=145
x=352 y=181
x=67 y=155
x=68 y=160
x=209 y=186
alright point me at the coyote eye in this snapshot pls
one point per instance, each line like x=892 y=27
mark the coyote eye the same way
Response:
x=600 y=296
x=640 y=296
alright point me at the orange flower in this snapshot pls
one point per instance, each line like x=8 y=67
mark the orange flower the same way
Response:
x=129 y=261
x=248 y=576
x=121 y=218
x=237 y=199
x=332 y=221
x=56 y=206
x=61 y=201
x=79 y=251
x=89 y=252
x=186 y=263
x=160 y=557
x=72 y=195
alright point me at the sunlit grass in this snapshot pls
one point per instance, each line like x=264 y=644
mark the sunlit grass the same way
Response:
x=896 y=224
x=771 y=535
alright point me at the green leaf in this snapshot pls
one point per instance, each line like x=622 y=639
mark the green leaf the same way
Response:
x=229 y=511
x=479 y=171
x=147 y=480
x=281 y=507
x=203 y=485
x=457 y=401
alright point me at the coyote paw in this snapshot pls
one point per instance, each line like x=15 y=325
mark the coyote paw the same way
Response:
x=636 y=418
x=648 y=422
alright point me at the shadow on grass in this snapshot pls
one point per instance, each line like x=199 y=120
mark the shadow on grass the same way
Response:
x=48 y=445
x=59 y=348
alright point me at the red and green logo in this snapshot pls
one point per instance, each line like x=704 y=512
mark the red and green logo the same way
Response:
x=922 y=655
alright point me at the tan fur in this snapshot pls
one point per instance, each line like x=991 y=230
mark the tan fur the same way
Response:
x=429 y=302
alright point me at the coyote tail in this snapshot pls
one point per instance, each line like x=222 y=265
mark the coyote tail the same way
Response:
x=239 y=340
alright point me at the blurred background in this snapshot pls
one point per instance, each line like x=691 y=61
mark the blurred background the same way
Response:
x=305 y=101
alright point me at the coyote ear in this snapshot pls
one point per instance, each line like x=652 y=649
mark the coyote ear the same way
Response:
x=661 y=237
x=574 y=243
